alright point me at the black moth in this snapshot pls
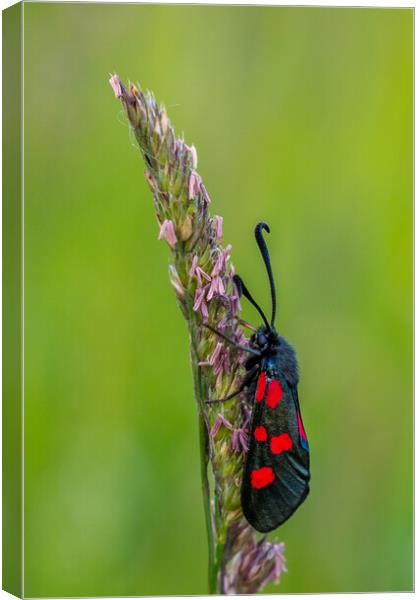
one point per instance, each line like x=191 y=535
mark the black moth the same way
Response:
x=276 y=471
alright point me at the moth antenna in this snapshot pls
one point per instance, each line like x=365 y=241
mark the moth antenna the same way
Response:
x=242 y=289
x=266 y=258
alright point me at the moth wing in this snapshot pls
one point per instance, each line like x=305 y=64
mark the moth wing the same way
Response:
x=276 y=474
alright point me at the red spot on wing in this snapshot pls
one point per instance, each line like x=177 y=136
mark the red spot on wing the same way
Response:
x=301 y=428
x=262 y=477
x=274 y=394
x=261 y=385
x=260 y=433
x=280 y=443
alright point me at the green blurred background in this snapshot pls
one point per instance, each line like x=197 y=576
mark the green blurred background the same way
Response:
x=302 y=117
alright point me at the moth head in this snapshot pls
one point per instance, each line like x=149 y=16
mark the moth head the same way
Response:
x=264 y=338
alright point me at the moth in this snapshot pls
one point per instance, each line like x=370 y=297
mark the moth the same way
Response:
x=276 y=471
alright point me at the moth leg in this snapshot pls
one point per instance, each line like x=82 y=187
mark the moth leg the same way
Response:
x=227 y=339
x=229 y=397
x=247 y=380
x=247 y=325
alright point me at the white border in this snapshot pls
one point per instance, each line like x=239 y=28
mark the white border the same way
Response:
x=338 y=4
x=320 y=3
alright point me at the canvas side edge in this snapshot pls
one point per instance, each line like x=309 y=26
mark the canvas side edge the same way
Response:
x=12 y=301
